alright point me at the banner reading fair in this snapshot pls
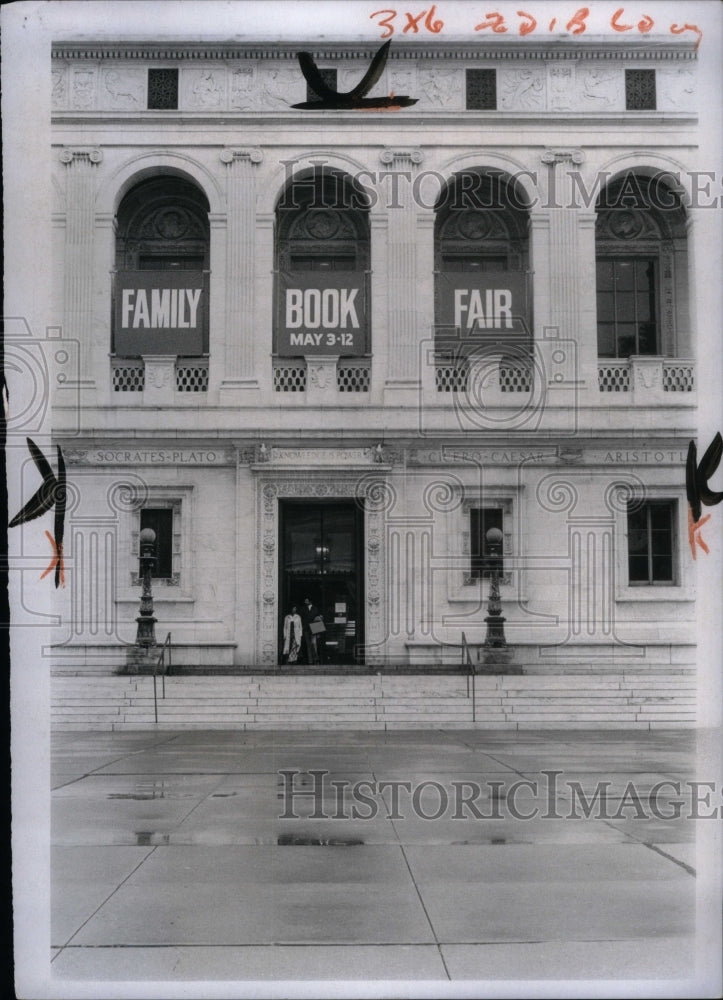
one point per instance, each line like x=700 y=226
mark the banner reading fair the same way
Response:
x=494 y=303
x=321 y=313
x=160 y=312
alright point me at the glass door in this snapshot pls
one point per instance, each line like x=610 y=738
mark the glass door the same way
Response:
x=321 y=559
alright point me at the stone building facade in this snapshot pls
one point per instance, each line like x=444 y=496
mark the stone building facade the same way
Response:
x=323 y=353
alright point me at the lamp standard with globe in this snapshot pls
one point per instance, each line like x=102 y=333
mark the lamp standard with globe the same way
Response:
x=146 y=632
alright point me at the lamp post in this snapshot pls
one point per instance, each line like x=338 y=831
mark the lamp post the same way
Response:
x=495 y=622
x=146 y=633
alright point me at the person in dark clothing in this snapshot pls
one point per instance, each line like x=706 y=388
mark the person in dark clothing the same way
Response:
x=314 y=638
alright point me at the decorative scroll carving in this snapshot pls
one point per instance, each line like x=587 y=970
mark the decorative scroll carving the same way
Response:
x=575 y=156
x=253 y=155
x=388 y=155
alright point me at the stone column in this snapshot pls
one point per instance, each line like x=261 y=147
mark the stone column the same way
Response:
x=239 y=371
x=79 y=255
x=402 y=312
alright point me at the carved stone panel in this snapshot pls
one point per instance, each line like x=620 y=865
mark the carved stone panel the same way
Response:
x=204 y=89
x=123 y=89
x=441 y=89
x=522 y=90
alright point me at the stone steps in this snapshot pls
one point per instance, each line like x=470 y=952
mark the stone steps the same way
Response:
x=317 y=701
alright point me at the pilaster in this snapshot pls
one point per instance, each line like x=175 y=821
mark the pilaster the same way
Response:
x=402 y=307
x=240 y=267
x=81 y=164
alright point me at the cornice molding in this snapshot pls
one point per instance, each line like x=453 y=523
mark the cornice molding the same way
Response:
x=659 y=49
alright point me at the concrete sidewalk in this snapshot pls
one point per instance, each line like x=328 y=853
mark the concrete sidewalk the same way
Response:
x=189 y=856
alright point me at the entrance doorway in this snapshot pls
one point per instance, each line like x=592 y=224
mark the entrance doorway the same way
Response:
x=321 y=557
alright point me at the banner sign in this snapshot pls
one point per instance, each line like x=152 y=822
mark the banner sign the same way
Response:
x=160 y=312
x=321 y=313
x=474 y=305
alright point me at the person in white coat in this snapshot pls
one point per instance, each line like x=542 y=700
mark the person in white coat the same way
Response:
x=293 y=631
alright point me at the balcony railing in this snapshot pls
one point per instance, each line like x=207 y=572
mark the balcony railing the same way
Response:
x=647 y=377
x=129 y=375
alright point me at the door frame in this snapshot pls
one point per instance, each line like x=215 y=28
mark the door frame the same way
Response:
x=357 y=508
x=372 y=492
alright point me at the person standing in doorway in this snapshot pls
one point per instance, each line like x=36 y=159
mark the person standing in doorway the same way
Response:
x=314 y=630
x=292 y=636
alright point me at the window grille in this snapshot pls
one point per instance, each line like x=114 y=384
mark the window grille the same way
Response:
x=329 y=78
x=163 y=89
x=640 y=89
x=290 y=377
x=353 y=377
x=128 y=376
x=452 y=377
x=192 y=376
x=651 y=542
x=614 y=378
x=678 y=378
x=481 y=89
x=515 y=376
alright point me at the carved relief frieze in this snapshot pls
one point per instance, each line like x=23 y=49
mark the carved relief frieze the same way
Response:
x=278 y=89
x=676 y=89
x=561 y=88
x=83 y=89
x=522 y=90
x=59 y=85
x=204 y=89
x=601 y=89
x=123 y=89
x=441 y=89
x=242 y=89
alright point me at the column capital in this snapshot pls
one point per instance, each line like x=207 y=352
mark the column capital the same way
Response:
x=88 y=155
x=388 y=155
x=552 y=156
x=230 y=154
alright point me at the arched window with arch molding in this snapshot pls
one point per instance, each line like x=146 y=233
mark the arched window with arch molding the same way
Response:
x=322 y=289
x=482 y=299
x=641 y=267
x=161 y=288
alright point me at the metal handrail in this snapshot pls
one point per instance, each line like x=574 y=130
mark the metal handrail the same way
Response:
x=161 y=662
x=468 y=662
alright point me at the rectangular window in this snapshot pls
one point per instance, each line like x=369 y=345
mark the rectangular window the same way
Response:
x=626 y=306
x=640 y=89
x=329 y=78
x=160 y=519
x=163 y=89
x=481 y=89
x=651 y=542
x=481 y=519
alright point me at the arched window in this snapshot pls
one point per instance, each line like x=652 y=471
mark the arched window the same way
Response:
x=641 y=264
x=162 y=265
x=322 y=264
x=481 y=267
